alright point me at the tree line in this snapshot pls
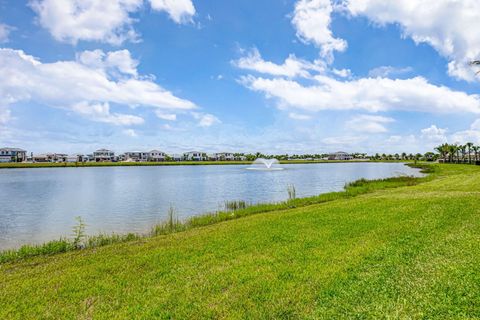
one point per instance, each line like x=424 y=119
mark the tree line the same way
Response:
x=459 y=153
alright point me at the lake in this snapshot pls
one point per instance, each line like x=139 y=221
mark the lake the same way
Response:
x=41 y=204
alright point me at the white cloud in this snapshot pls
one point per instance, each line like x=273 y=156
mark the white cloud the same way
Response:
x=205 y=119
x=344 y=141
x=298 y=116
x=449 y=26
x=101 y=20
x=100 y=112
x=370 y=94
x=180 y=11
x=166 y=116
x=130 y=132
x=5 y=115
x=434 y=133
x=90 y=20
x=115 y=62
x=4 y=32
x=292 y=67
x=92 y=86
x=475 y=125
x=387 y=71
x=312 y=20
x=470 y=135
x=343 y=73
x=368 y=123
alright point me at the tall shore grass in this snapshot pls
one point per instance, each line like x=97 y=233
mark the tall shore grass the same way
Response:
x=233 y=210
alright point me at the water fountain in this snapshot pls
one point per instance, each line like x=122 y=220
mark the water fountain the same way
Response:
x=265 y=165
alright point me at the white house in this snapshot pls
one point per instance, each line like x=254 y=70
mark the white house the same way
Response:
x=76 y=158
x=225 y=156
x=156 y=155
x=339 y=155
x=102 y=155
x=212 y=156
x=135 y=156
x=50 y=157
x=176 y=157
x=12 y=155
x=194 y=156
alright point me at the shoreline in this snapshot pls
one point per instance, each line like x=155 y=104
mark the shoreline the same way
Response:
x=21 y=165
x=174 y=225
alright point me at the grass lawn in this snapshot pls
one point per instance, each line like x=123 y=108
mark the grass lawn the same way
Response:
x=407 y=252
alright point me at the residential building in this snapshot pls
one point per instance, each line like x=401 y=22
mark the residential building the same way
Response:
x=50 y=157
x=340 y=155
x=76 y=158
x=194 y=156
x=40 y=158
x=12 y=155
x=59 y=157
x=156 y=156
x=102 y=155
x=212 y=156
x=225 y=156
x=176 y=157
x=135 y=156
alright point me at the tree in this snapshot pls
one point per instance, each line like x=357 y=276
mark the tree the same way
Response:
x=452 y=149
x=476 y=149
x=443 y=150
x=463 y=152
x=469 y=146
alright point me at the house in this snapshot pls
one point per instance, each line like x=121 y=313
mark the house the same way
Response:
x=102 y=155
x=50 y=157
x=156 y=155
x=12 y=155
x=135 y=156
x=339 y=155
x=58 y=157
x=212 y=157
x=76 y=158
x=40 y=158
x=176 y=157
x=194 y=156
x=225 y=156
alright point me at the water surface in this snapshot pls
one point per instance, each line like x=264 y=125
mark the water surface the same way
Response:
x=40 y=204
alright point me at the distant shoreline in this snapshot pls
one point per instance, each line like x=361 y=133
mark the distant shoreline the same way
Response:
x=167 y=163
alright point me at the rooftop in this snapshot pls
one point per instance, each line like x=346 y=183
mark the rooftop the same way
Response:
x=12 y=149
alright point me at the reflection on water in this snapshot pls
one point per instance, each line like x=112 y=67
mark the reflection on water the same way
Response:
x=40 y=204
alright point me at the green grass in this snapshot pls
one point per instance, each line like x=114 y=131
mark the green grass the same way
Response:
x=389 y=249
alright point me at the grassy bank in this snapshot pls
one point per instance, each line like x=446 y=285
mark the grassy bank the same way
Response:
x=163 y=163
x=388 y=249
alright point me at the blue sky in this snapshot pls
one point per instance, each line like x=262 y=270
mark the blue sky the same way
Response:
x=303 y=76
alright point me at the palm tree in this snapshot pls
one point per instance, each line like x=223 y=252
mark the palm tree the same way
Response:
x=476 y=149
x=443 y=150
x=451 y=151
x=463 y=151
x=469 y=145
